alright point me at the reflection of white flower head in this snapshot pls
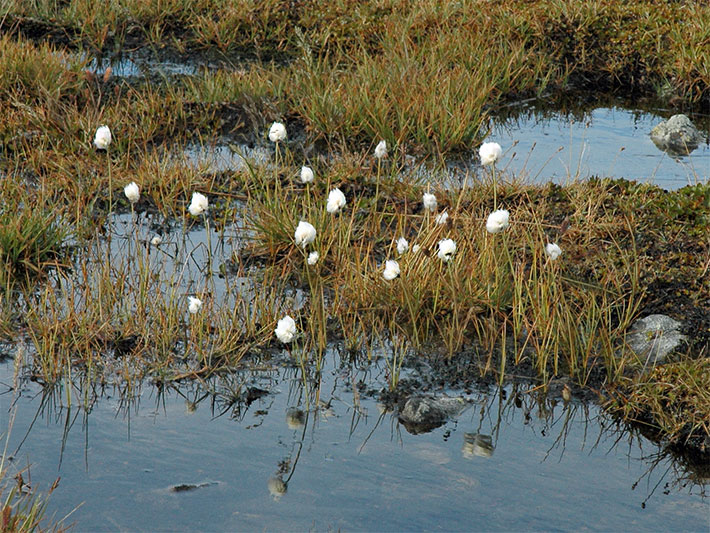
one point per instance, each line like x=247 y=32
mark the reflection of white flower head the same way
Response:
x=277 y=487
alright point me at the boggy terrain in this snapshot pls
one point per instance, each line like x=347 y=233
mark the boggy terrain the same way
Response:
x=476 y=292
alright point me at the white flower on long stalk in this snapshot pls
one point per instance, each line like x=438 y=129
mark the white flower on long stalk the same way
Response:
x=498 y=221
x=381 y=150
x=402 y=245
x=277 y=132
x=447 y=248
x=489 y=152
x=336 y=201
x=102 y=138
x=442 y=218
x=313 y=258
x=286 y=329
x=194 y=304
x=132 y=192
x=553 y=250
x=305 y=233
x=306 y=174
x=416 y=248
x=429 y=201
x=391 y=270
x=199 y=204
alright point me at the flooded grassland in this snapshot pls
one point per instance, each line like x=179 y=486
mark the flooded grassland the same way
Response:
x=278 y=282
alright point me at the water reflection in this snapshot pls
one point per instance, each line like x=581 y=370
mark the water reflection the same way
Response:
x=311 y=438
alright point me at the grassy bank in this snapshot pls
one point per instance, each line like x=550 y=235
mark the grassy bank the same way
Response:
x=354 y=71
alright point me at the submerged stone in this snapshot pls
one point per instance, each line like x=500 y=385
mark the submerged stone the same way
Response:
x=421 y=414
x=677 y=135
x=653 y=337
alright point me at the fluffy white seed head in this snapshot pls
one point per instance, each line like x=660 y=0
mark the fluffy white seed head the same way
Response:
x=402 y=245
x=306 y=174
x=193 y=304
x=381 y=149
x=447 y=248
x=313 y=258
x=553 y=250
x=442 y=218
x=498 y=221
x=132 y=192
x=102 y=138
x=286 y=329
x=489 y=152
x=277 y=132
x=429 y=201
x=391 y=270
x=199 y=204
x=305 y=233
x=336 y=201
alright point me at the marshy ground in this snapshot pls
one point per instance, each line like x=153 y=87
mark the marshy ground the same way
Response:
x=95 y=288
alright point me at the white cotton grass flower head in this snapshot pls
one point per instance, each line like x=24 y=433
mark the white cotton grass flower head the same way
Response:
x=199 y=204
x=391 y=270
x=156 y=240
x=447 y=248
x=381 y=149
x=402 y=245
x=306 y=174
x=305 y=233
x=489 y=153
x=336 y=201
x=194 y=304
x=429 y=201
x=416 y=248
x=553 y=251
x=313 y=258
x=442 y=218
x=102 y=138
x=277 y=132
x=498 y=221
x=132 y=192
x=286 y=329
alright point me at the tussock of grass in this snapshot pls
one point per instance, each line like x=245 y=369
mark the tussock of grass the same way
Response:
x=672 y=398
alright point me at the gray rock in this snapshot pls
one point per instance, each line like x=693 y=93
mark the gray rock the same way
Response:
x=652 y=338
x=421 y=413
x=677 y=135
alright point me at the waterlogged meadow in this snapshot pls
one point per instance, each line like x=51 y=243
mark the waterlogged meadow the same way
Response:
x=206 y=205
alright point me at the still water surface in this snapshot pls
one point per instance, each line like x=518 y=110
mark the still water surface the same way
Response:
x=346 y=465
